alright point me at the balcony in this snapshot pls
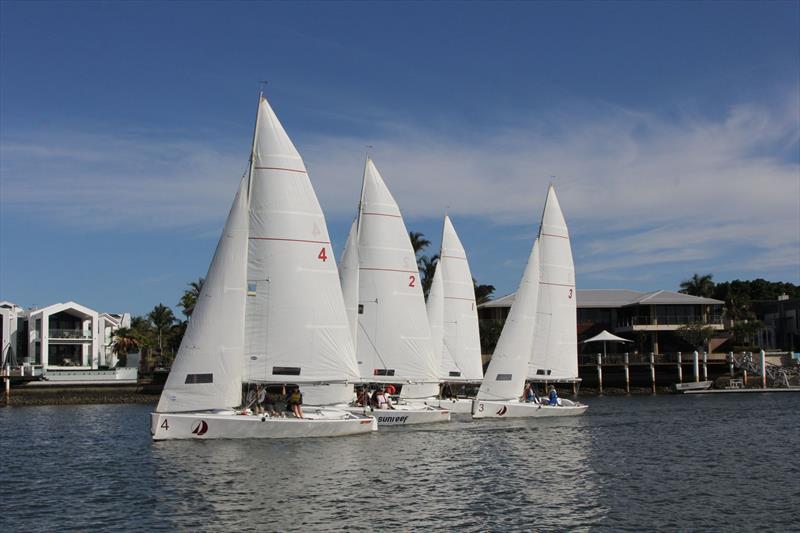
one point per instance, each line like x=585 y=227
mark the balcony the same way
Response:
x=664 y=323
x=70 y=334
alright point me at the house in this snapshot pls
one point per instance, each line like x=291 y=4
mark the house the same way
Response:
x=650 y=319
x=59 y=337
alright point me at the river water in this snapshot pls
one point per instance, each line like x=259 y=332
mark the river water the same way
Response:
x=639 y=463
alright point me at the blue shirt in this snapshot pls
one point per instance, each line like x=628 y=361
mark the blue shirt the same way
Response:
x=553 y=397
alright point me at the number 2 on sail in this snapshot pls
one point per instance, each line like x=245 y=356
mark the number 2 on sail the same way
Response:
x=411 y=280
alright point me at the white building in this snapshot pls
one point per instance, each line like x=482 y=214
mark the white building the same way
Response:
x=62 y=336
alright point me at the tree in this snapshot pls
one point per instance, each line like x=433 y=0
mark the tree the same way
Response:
x=699 y=285
x=418 y=241
x=490 y=330
x=123 y=342
x=162 y=319
x=190 y=296
x=427 y=268
x=696 y=334
x=483 y=293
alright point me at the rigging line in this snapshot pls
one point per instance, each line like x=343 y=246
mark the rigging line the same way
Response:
x=377 y=352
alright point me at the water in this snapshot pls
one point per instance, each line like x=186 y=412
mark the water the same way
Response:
x=641 y=463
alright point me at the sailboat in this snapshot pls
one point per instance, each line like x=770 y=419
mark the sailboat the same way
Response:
x=270 y=312
x=536 y=322
x=453 y=318
x=386 y=307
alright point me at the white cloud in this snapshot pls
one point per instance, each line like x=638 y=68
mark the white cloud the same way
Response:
x=637 y=189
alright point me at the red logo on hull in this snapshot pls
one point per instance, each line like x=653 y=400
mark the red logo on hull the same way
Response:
x=200 y=427
x=503 y=410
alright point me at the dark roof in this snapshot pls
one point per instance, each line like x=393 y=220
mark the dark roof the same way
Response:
x=603 y=298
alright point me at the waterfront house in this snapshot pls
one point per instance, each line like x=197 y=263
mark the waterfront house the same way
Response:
x=649 y=319
x=59 y=337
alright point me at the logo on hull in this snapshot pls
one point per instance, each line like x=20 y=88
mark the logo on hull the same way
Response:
x=392 y=419
x=503 y=410
x=200 y=427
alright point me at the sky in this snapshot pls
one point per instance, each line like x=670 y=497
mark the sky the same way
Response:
x=671 y=131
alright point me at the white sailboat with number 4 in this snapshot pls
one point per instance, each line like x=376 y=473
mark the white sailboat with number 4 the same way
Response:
x=270 y=311
x=387 y=308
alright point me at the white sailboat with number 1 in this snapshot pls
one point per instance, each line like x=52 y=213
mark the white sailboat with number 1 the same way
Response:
x=270 y=311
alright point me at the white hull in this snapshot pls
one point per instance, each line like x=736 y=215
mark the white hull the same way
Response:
x=456 y=406
x=515 y=409
x=693 y=385
x=229 y=425
x=406 y=415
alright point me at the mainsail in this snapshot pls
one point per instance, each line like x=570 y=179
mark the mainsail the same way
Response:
x=555 y=345
x=296 y=328
x=394 y=341
x=207 y=371
x=505 y=377
x=461 y=359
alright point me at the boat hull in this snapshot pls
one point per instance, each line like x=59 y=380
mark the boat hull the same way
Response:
x=206 y=425
x=406 y=415
x=513 y=409
x=456 y=406
x=693 y=385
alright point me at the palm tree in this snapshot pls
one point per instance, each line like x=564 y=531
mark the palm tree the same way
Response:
x=190 y=296
x=427 y=268
x=483 y=293
x=123 y=342
x=162 y=319
x=699 y=285
x=418 y=243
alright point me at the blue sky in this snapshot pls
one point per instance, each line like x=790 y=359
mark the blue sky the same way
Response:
x=672 y=131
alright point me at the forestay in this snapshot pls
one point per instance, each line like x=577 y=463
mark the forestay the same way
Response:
x=394 y=341
x=505 y=377
x=207 y=370
x=296 y=328
x=555 y=346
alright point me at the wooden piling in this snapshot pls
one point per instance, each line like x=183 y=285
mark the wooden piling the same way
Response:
x=653 y=371
x=763 y=369
x=627 y=374
x=705 y=366
x=696 y=367
x=680 y=368
x=730 y=363
x=599 y=374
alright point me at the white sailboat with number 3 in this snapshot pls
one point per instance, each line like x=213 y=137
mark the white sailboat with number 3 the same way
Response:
x=539 y=338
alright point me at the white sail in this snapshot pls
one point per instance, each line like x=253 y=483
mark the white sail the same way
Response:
x=348 y=278
x=505 y=376
x=462 y=344
x=555 y=346
x=296 y=328
x=394 y=341
x=207 y=371
x=435 y=309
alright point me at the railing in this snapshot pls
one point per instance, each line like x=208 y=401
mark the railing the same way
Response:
x=677 y=320
x=69 y=334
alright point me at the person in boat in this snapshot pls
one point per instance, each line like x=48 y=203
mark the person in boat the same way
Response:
x=390 y=390
x=252 y=396
x=294 y=402
x=261 y=396
x=383 y=401
x=269 y=403
x=552 y=396
x=530 y=394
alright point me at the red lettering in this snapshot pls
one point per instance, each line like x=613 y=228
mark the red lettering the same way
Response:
x=323 y=256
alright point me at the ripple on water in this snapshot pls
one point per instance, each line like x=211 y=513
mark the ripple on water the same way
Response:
x=632 y=464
